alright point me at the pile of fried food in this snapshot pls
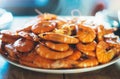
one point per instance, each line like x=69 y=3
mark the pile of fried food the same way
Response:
x=54 y=43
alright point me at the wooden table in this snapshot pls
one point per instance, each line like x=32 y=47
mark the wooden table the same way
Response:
x=8 y=71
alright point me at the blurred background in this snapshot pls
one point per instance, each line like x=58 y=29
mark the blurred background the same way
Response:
x=102 y=8
x=59 y=7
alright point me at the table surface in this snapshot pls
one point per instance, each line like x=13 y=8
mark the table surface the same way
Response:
x=9 y=71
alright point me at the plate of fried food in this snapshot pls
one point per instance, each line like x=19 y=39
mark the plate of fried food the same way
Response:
x=53 y=44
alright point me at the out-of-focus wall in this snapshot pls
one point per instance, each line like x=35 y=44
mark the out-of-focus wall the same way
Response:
x=113 y=7
x=59 y=7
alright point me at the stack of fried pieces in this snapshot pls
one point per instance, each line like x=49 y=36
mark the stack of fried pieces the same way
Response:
x=55 y=43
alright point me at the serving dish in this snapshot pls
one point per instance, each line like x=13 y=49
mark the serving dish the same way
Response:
x=64 y=71
x=60 y=71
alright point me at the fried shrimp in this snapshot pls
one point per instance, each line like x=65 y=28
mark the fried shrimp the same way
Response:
x=113 y=41
x=29 y=59
x=2 y=47
x=47 y=63
x=64 y=63
x=51 y=54
x=8 y=36
x=75 y=56
x=23 y=45
x=43 y=62
x=104 y=53
x=51 y=42
x=68 y=28
x=89 y=53
x=86 y=34
x=91 y=61
x=12 y=52
x=28 y=35
x=59 y=38
x=65 y=29
x=43 y=26
x=60 y=23
x=57 y=46
x=101 y=31
x=86 y=46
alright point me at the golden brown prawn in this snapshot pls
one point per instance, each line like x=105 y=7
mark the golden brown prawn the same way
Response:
x=43 y=62
x=90 y=62
x=28 y=59
x=2 y=47
x=64 y=63
x=89 y=53
x=47 y=63
x=57 y=46
x=104 y=53
x=101 y=31
x=8 y=36
x=11 y=52
x=60 y=23
x=59 y=38
x=28 y=35
x=51 y=54
x=23 y=45
x=113 y=41
x=75 y=56
x=66 y=29
x=43 y=26
x=86 y=34
x=88 y=46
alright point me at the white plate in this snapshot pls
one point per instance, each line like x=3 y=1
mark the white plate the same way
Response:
x=65 y=71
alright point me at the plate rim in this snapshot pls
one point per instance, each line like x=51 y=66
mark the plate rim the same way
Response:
x=63 y=71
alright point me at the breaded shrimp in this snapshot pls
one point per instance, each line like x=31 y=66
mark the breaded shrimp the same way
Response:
x=86 y=34
x=59 y=38
x=57 y=46
x=51 y=54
